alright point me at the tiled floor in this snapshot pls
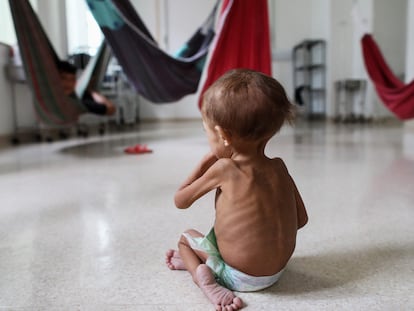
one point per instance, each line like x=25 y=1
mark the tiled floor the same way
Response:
x=85 y=227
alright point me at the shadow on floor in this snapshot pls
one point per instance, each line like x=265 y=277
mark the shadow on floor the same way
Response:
x=100 y=149
x=330 y=270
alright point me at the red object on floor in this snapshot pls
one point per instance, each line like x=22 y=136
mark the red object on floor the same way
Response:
x=137 y=149
x=242 y=40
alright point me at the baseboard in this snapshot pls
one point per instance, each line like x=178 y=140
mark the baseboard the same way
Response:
x=377 y=120
x=170 y=120
x=5 y=141
x=409 y=125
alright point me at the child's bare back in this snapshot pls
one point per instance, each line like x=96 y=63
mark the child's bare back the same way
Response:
x=257 y=215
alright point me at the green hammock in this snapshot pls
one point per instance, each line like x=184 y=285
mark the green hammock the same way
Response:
x=40 y=63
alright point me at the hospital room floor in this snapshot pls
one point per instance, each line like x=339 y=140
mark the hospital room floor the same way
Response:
x=84 y=226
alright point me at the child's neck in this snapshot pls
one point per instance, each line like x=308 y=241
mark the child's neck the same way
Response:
x=248 y=150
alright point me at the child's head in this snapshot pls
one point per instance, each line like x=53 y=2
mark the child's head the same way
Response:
x=247 y=104
x=67 y=74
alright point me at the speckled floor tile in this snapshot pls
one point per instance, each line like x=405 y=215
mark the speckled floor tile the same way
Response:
x=84 y=226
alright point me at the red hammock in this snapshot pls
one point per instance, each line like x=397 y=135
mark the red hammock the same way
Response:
x=242 y=40
x=396 y=96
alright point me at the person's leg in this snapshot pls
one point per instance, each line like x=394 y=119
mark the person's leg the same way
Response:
x=110 y=108
x=194 y=261
x=222 y=298
x=174 y=259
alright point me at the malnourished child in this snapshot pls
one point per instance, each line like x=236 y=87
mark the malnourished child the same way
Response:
x=258 y=207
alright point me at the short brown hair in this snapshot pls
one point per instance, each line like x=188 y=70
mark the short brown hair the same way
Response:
x=248 y=104
x=66 y=67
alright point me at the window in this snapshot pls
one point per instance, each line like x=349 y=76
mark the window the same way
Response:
x=84 y=34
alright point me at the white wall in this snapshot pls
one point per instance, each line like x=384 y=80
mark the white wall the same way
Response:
x=7 y=34
x=409 y=73
x=84 y=34
x=152 y=14
x=389 y=30
x=409 y=59
x=6 y=120
x=52 y=15
x=290 y=26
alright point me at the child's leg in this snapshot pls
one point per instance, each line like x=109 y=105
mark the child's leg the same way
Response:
x=222 y=298
x=191 y=258
x=173 y=258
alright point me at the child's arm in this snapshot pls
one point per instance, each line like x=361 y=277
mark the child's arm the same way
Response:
x=208 y=160
x=203 y=179
x=300 y=207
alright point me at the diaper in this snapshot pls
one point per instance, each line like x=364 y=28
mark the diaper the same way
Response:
x=226 y=275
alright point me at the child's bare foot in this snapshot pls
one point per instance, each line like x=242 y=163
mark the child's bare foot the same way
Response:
x=174 y=261
x=222 y=298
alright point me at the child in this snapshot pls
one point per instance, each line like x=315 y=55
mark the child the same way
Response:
x=95 y=102
x=258 y=207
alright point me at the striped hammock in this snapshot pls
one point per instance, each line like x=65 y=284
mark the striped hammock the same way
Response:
x=40 y=63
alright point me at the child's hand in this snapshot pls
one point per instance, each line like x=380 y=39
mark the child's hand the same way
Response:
x=202 y=180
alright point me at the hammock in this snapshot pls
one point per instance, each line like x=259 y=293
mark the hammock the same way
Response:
x=242 y=40
x=396 y=96
x=156 y=75
x=40 y=63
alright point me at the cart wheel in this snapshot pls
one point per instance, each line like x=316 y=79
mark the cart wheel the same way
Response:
x=49 y=139
x=63 y=135
x=15 y=141
x=82 y=133
x=38 y=137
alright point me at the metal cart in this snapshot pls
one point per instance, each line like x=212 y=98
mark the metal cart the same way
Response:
x=350 y=100
x=16 y=75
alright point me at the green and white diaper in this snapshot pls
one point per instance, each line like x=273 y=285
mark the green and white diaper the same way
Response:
x=226 y=275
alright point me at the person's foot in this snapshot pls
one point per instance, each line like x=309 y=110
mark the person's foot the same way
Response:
x=110 y=109
x=173 y=260
x=222 y=298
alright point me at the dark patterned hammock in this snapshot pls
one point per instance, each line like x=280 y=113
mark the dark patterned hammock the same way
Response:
x=156 y=75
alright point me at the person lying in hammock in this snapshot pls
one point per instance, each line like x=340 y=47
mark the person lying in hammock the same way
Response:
x=93 y=101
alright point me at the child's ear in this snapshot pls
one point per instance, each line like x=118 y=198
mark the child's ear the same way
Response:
x=225 y=138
